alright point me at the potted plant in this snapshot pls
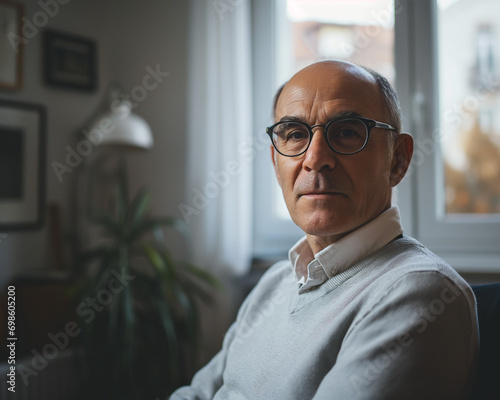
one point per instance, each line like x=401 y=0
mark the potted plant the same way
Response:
x=142 y=324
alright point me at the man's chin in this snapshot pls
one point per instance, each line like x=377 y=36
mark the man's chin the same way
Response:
x=324 y=223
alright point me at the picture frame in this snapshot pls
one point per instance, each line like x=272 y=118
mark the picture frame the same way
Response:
x=11 y=45
x=70 y=61
x=22 y=165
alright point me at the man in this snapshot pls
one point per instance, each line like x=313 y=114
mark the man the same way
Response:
x=359 y=311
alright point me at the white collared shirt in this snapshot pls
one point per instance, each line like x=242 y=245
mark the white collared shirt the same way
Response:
x=340 y=255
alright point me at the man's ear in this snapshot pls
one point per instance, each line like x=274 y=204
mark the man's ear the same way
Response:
x=275 y=164
x=402 y=154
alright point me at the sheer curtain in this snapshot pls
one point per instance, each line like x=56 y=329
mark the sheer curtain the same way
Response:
x=218 y=203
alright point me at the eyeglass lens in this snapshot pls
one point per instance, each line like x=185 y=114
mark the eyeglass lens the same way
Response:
x=345 y=136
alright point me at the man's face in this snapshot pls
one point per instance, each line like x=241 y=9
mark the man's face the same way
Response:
x=327 y=194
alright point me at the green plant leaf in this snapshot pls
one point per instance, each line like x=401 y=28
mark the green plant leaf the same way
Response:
x=189 y=309
x=156 y=259
x=106 y=221
x=192 y=319
x=114 y=314
x=153 y=223
x=138 y=209
x=95 y=253
x=203 y=275
x=122 y=195
x=168 y=323
x=128 y=312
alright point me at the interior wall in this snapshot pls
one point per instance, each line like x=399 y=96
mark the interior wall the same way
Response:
x=131 y=36
x=154 y=37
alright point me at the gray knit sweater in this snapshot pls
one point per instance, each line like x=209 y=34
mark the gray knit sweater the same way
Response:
x=399 y=324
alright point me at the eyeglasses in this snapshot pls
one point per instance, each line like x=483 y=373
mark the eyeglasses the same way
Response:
x=345 y=136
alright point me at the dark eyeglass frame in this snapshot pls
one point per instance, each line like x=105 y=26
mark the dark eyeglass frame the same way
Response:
x=369 y=124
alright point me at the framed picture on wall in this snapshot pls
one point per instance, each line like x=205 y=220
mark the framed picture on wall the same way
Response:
x=11 y=45
x=22 y=165
x=70 y=61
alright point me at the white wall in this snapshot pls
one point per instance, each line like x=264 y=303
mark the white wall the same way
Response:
x=131 y=35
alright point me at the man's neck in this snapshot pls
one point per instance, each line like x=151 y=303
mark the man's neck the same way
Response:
x=318 y=243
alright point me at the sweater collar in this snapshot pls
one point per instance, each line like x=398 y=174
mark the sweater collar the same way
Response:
x=340 y=255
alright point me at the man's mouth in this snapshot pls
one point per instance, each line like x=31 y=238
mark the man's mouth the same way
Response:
x=320 y=194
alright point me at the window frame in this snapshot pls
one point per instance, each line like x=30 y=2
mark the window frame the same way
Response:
x=469 y=242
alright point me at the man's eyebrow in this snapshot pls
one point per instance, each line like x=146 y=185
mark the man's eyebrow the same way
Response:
x=331 y=117
x=342 y=115
x=292 y=118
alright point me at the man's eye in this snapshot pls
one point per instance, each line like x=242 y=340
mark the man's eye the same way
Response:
x=347 y=133
x=296 y=135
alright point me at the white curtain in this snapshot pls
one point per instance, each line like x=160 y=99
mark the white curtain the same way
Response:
x=218 y=201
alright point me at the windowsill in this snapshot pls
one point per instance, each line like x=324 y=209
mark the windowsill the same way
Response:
x=473 y=263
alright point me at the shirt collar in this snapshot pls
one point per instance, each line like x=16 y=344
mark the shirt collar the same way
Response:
x=340 y=255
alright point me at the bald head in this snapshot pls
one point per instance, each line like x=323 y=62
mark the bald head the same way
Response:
x=315 y=73
x=319 y=75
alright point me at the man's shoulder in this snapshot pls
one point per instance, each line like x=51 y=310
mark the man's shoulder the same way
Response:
x=408 y=263
x=408 y=255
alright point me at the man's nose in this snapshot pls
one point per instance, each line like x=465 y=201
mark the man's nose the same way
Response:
x=319 y=155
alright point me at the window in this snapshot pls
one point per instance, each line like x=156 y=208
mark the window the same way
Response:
x=453 y=111
x=443 y=56
x=469 y=100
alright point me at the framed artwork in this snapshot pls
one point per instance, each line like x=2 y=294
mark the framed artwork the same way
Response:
x=22 y=165
x=11 y=45
x=69 y=61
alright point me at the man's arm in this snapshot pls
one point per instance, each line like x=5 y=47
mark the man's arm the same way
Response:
x=419 y=340
x=208 y=380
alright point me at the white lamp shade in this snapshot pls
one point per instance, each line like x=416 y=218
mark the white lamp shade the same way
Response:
x=122 y=127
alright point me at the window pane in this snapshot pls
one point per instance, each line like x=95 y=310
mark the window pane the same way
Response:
x=469 y=101
x=314 y=30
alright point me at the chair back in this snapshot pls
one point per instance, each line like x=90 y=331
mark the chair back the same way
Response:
x=487 y=385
